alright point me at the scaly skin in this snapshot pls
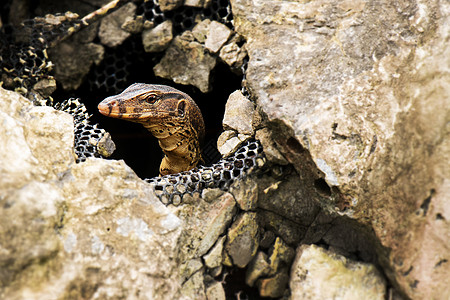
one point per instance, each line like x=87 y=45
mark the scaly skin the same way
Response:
x=170 y=115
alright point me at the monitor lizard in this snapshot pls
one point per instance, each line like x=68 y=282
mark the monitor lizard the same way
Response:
x=169 y=114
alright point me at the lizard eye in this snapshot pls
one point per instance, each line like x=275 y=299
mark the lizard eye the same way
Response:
x=151 y=98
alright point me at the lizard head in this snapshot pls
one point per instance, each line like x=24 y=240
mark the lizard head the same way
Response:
x=147 y=103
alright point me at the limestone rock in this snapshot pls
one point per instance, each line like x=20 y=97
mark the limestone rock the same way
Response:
x=228 y=142
x=188 y=268
x=213 y=258
x=73 y=61
x=65 y=231
x=186 y=62
x=110 y=32
x=242 y=242
x=167 y=5
x=233 y=54
x=204 y=223
x=215 y=291
x=158 y=38
x=269 y=146
x=366 y=93
x=238 y=113
x=201 y=31
x=194 y=288
x=258 y=267
x=45 y=87
x=320 y=274
x=133 y=25
x=197 y=3
x=217 y=36
x=275 y=286
x=245 y=193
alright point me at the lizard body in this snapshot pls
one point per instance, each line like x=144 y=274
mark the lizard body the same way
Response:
x=169 y=114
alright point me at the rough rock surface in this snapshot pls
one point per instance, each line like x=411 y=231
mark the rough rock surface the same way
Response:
x=187 y=62
x=158 y=38
x=167 y=5
x=217 y=36
x=364 y=87
x=74 y=58
x=64 y=232
x=110 y=32
x=320 y=274
x=239 y=113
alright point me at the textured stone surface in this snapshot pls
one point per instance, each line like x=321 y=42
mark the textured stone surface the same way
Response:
x=217 y=36
x=215 y=291
x=242 y=239
x=239 y=113
x=228 y=142
x=320 y=274
x=73 y=60
x=213 y=258
x=197 y=3
x=364 y=87
x=110 y=32
x=245 y=193
x=158 y=38
x=166 y=5
x=233 y=54
x=187 y=62
x=65 y=232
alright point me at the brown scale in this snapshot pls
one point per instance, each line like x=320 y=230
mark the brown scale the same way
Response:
x=170 y=115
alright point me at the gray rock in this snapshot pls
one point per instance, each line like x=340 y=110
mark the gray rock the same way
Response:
x=66 y=221
x=197 y=3
x=186 y=62
x=110 y=32
x=194 y=288
x=204 y=223
x=45 y=87
x=188 y=268
x=73 y=60
x=167 y=5
x=233 y=54
x=313 y=276
x=239 y=113
x=270 y=147
x=133 y=25
x=213 y=258
x=217 y=36
x=158 y=38
x=242 y=239
x=215 y=291
x=201 y=30
x=367 y=95
x=228 y=142
x=245 y=193
x=258 y=267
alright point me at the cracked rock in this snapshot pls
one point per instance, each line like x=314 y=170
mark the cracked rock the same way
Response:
x=187 y=62
x=217 y=36
x=110 y=32
x=239 y=113
x=313 y=276
x=242 y=242
x=158 y=38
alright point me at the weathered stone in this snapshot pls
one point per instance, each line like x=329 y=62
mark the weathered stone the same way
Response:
x=167 y=5
x=213 y=258
x=45 y=87
x=133 y=25
x=270 y=148
x=197 y=3
x=229 y=146
x=201 y=30
x=217 y=36
x=367 y=94
x=233 y=54
x=110 y=32
x=242 y=242
x=275 y=286
x=204 y=223
x=281 y=256
x=258 y=267
x=158 y=38
x=194 y=288
x=215 y=291
x=320 y=274
x=290 y=231
x=209 y=195
x=245 y=193
x=238 y=113
x=64 y=231
x=186 y=62
x=73 y=61
x=188 y=268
